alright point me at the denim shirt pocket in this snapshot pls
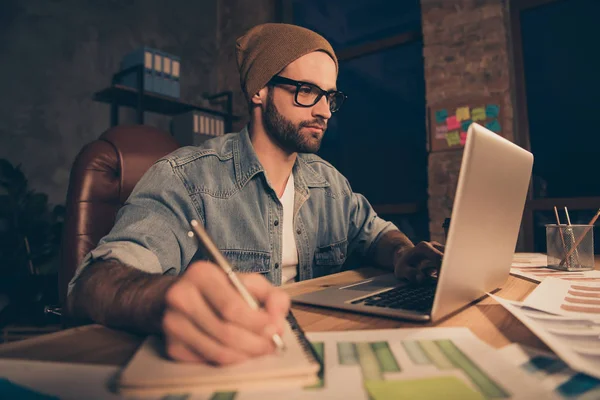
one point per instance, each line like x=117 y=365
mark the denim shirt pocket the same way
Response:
x=329 y=259
x=248 y=260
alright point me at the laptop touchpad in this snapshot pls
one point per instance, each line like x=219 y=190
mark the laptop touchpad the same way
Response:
x=379 y=283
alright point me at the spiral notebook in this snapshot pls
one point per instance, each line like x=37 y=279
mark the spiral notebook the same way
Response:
x=151 y=372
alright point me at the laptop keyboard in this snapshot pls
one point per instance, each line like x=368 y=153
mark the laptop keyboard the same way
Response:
x=418 y=298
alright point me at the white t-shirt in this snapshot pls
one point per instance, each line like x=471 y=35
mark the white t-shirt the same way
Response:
x=289 y=252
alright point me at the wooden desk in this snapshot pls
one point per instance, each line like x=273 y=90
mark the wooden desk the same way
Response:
x=96 y=344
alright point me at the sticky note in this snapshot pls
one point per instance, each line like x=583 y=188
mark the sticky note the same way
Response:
x=452 y=138
x=441 y=115
x=439 y=387
x=440 y=131
x=464 y=126
x=493 y=126
x=463 y=113
x=492 y=110
x=452 y=123
x=478 y=114
x=463 y=138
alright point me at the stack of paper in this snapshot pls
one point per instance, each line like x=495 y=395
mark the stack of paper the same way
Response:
x=552 y=373
x=533 y=266
x=566 y=316
x=427 y=363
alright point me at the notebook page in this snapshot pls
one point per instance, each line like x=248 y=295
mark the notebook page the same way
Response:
x=150 y=368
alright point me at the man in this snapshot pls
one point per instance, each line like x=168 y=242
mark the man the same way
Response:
x=273 y=208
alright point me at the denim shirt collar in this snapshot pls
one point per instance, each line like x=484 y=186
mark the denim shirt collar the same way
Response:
x=247 y=165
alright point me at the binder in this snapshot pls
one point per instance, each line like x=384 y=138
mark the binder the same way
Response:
x=195 y=127
x=175 y=76
x=158 y=72
x=141 y=56
x=167 y=81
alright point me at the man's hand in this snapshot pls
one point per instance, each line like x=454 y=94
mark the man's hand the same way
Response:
x=419 y=264
x=207 y=320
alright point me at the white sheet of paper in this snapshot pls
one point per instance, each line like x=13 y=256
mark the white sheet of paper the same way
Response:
x=348 y=373
x=577 y=351
x=561 y=297
x=552 y=372
x=529 y=260
x=538 y=274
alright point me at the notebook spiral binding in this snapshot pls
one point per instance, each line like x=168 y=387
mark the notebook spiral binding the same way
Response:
x=304 y=342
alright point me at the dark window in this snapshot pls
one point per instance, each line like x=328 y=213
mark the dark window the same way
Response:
x=562 y=63
x=378 y=138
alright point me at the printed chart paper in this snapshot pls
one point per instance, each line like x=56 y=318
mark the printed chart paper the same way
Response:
x=557 y=296
x=529 y=260
x=575 y=340
x=533 y=267
x=552 y=372
x=428 y=363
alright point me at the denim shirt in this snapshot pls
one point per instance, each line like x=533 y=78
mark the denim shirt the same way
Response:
x=223 y=185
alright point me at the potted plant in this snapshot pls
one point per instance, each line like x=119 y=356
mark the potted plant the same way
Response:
x=29 y=246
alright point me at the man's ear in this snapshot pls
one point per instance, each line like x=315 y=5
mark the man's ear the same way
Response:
x=260 y=97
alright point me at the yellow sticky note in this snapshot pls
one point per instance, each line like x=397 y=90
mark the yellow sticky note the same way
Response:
x=453 y=138
x=478 y=114
x=463 y=114
x=442 y=387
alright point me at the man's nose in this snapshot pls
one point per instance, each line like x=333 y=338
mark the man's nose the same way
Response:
x=321 y=109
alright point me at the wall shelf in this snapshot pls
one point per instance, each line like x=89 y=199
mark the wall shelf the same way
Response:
x=124 y=96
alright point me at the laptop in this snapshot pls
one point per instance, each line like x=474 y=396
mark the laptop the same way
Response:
x=488 y=207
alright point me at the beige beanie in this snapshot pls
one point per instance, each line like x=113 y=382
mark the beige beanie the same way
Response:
x=268 y=48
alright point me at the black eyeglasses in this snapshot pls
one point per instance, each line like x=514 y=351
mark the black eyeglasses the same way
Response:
x=308 y=94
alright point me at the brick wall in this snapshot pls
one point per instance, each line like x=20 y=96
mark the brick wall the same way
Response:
x=55 y=55
x=235 y=18
x=466 y=54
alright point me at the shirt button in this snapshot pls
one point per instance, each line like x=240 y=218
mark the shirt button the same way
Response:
x=276 y=265
x=298 y=231
x=276 y=222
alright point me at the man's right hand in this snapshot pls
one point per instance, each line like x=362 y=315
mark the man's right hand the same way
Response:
x=207 y=320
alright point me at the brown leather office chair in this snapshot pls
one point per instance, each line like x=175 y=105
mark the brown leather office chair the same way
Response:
x=102 y=178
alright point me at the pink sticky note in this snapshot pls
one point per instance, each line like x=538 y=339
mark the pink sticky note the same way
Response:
x=452 y=123
x=463 y=138
x=440 y=131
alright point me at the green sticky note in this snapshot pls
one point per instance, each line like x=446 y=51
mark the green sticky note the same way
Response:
x=478 y=114
x=493 y=126
x=441 y=387
x=492 y=110
x=453 y=138
x=464 y=125
x=223 y=396
x=441 y=115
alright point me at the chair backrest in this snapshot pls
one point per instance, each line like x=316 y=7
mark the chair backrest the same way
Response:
x=102 y=178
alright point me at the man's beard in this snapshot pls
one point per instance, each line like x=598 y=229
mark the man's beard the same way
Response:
x=287 y=135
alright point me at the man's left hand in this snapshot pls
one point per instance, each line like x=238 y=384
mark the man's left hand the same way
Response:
x=419 y=264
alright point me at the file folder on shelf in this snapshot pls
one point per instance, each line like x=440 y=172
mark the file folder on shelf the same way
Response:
x=161 y=71
x=195 y=127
